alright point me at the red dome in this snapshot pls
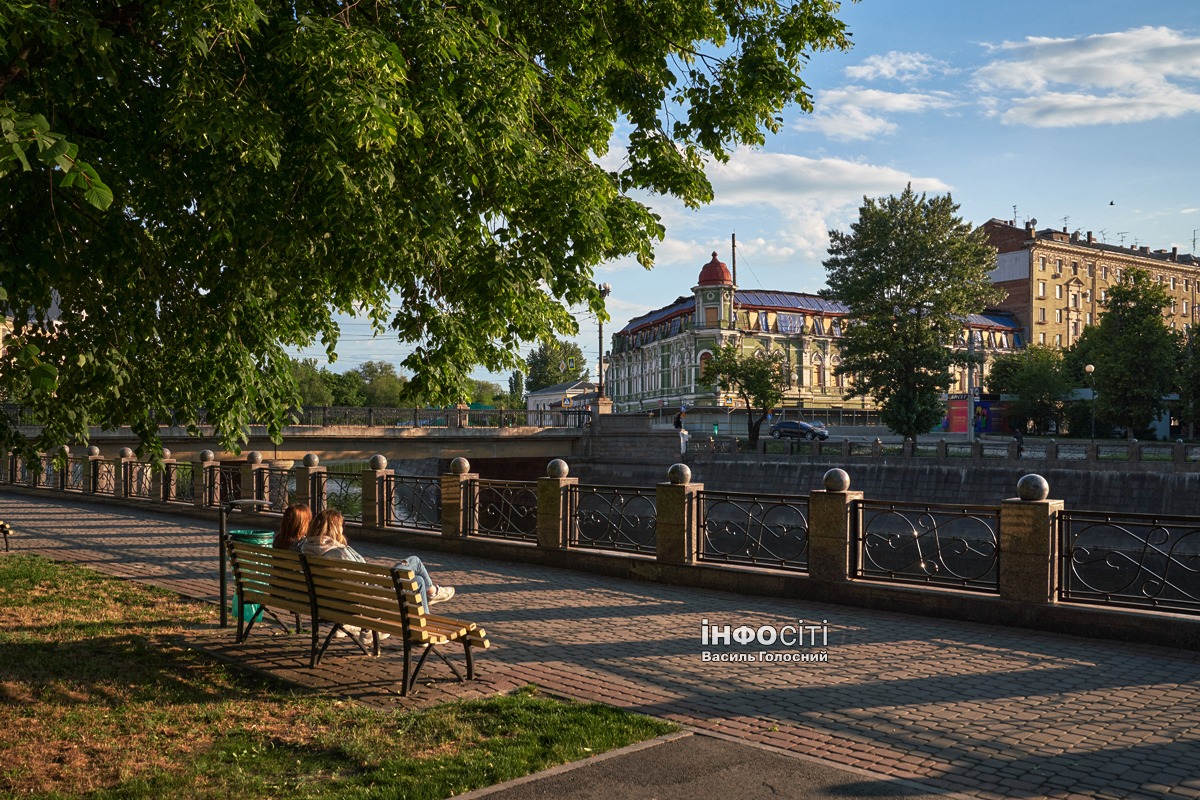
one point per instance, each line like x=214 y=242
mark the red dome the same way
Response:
x=715 y=273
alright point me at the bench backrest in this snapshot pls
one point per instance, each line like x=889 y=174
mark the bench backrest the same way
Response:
x=365 y=595
x=270 y=577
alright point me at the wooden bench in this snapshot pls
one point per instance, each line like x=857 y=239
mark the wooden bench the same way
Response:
x=345 y=594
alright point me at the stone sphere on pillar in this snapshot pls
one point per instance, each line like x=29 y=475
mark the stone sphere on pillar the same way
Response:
x=311 y=460
x=1032 y=488
x=557 y=469
x=126 y=452
x=166 y=454
x=207 y=455
x=837 y=480
x=254 y=457
x=460 y=466
x=63 y=450
x=378 y=462
x=93 y=450
x=679 y=474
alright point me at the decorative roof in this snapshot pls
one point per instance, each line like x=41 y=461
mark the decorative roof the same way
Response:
x=715 y=273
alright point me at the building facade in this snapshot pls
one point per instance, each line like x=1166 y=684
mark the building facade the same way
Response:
x=657 y=360
x=1056 y=281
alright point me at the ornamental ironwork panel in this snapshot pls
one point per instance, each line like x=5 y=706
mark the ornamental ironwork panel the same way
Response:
x=224 y=485
x=414 y=502
x=47 y=477
x=612 y=518
x=137 y=479
x=106 y=477
x=279 y=486
x=343 y=492
x=502 y=509
x=758 y=529
x=76 y=473
x=181 y=474
x=936 y=545
x=1130 y=560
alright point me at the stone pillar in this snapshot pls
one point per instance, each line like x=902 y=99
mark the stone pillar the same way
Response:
x=877 y=447
x=64 y=473
x=1051 y=450
x=976 y=450
x=253 y=477
x=676 y=525
x=910 y=447
x=457 y=498
x=941 y=448
x=202 y=478
x=120 y=472
x=162 y=484
x=376 y=500
x=845 y=447
x=1014 y=450
x=1179 y=452
x=91 y=476
x=1093 y=452
x=553 y=505
x=830 y=528
x=305 y=477
x=1028 y=548
x=1135 y=451
x=34 y=475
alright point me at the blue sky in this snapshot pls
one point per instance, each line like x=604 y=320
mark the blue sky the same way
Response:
x=1058 y=109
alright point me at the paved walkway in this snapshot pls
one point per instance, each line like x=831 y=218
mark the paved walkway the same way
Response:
x=986 y=711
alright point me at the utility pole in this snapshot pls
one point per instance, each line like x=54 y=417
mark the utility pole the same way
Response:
x=970 y=385
x=605 y=291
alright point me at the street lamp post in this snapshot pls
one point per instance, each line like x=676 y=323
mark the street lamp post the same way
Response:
x=1089 y=369
x=605 y=291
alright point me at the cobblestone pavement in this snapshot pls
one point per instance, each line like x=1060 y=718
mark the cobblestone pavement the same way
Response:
x=987 y=711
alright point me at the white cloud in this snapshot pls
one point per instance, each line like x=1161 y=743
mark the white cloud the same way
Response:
x=855 y=113
x=1112 y=78
x=899 y=66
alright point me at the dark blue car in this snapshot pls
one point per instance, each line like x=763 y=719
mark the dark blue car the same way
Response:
x=798 y=430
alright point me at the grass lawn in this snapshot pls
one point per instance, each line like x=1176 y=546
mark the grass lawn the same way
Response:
x=99 y=697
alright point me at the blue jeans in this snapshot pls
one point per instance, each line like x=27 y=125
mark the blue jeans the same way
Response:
x=422 y=574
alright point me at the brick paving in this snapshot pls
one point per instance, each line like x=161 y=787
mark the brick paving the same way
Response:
x=987 y=711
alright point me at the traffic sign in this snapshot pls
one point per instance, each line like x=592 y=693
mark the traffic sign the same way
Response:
x=566 y=402
x=562 y=366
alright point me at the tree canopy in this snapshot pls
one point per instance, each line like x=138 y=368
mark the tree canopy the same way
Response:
x=1136 y=356
x=445 y=169
x=910 y=271
x=555 y=362
x=758 y=379
x=1038 y=384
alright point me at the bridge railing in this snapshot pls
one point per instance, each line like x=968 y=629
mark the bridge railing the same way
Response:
x=1026 y=560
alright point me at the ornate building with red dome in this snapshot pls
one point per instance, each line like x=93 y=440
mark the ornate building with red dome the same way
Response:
x=657 y=360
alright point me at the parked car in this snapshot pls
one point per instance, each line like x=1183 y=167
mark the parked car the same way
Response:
x=798 y=430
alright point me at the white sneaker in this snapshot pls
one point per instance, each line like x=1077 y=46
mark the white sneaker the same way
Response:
x=440 y=594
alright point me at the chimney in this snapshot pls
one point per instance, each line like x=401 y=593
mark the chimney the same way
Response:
x=1174 y=253
x=1144 y=249
x=1091 y=238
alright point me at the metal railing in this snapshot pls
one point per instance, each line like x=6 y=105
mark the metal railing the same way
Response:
x=755 y=529
x=76 y=474
x=137 y=479
x=413 y=501
x=343 y=491
x=1130 y=560
x=180 y=476
x=502 y=509
x=106 y=477
x=278 y=487
x=611 y=518
x=937 y=545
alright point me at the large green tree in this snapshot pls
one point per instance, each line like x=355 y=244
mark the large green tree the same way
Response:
x=758 y=378
x=910 y=271
x=1135 y=355
x=274 y=163
x=1037 y=386
x=554 y=362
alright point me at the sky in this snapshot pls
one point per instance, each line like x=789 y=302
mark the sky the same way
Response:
x=1083 y=115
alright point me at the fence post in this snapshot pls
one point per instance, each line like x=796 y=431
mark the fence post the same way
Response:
x=1028 y=546
x=909 y=449
x=1135 y=451
x=34 y=475
x=553 y=505
x=375 y=511
x=162 y=484
x=253 y=475
x=1052 y=450
x=201 y=477
x=456 y=498
x=65 y=473
x=830 y=529
x=941 y=448
x=1179 y=452
x=1093 y=452
x=91 y=477
x=310 y=467
x=677 y=523
x=877 y=447
x=120 y=470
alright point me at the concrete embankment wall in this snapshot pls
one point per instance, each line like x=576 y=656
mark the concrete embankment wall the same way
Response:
x=1137 y=488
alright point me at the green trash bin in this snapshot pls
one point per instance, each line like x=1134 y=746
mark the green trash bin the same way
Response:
x=262 y=538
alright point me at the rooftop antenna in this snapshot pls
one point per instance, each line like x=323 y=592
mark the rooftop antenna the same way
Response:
x=1103 y=234
x=1194 y=239
x=1015 y=216
x=1121 y=235
x=1066 y=221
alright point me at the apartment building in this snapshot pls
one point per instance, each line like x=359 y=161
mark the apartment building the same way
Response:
x=1056 y=281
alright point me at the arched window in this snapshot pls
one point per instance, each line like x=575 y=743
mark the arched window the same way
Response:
x=818 y=371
